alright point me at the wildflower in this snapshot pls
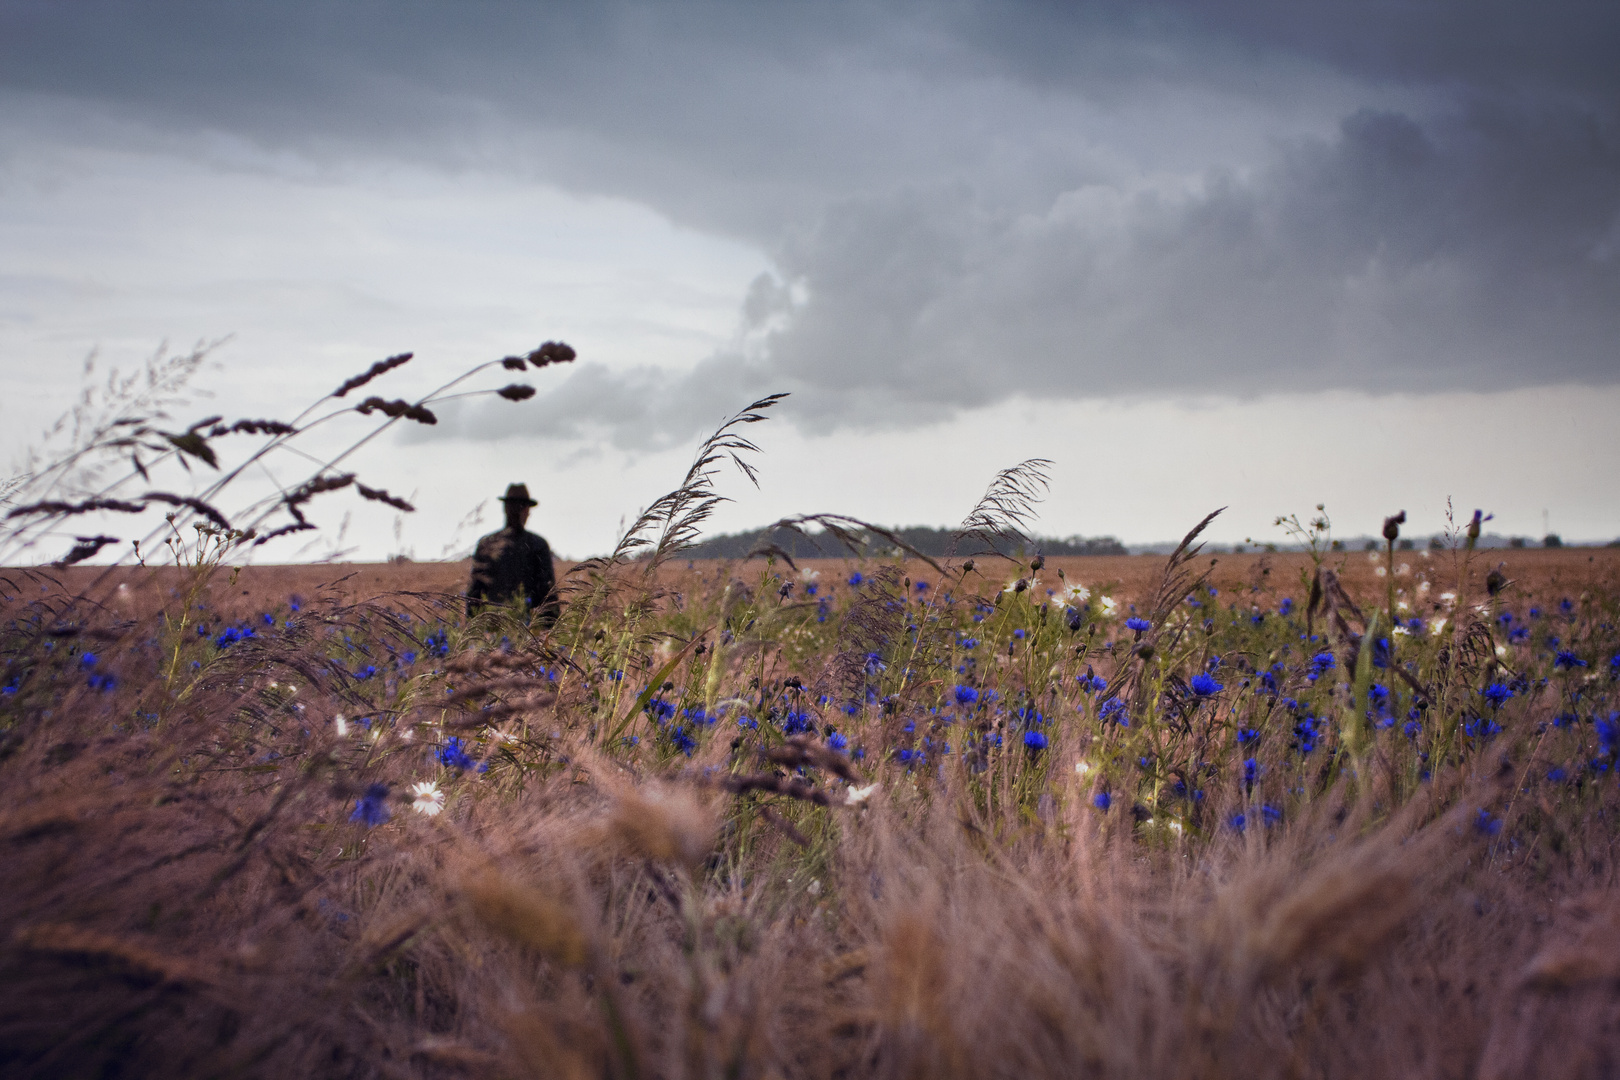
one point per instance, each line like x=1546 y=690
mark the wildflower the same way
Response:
x=1109 y=605
x=858 y=795
x=1487 y=823
x=1076 y=594
x=1286 y=606
x=837 y=741
x=1557 y=774
x=1321 y=664
x=1035 y=740
x=1566 y=660
x=1090 y=683
x=1019 y=633
x=1102 y=800
x=88 y=660
x=1137 y=624
x=968 y=644
x=1270 y=814
x=1238 y=822
x=1114 y=708
x=453 y=754
x=1203 y=684
x=1251 y=771
x=1497 y=693
x=921 y=586
x=966 y=695
x=372 y=810
x=682 y=741
x=1245 y=736
x=855 y=579
x=426 y=798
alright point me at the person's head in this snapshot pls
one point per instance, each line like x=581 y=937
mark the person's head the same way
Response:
x=517 y=503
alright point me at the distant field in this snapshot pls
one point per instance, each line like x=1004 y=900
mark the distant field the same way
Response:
x=255 y=589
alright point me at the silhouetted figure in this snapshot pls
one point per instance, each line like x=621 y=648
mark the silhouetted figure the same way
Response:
x=514 y=562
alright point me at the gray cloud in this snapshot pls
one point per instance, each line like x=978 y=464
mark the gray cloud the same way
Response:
x=968 y=202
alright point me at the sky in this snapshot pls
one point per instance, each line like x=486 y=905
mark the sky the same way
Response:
x=1254 y=254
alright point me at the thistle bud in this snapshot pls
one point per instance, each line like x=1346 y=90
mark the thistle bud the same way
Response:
x=1392 y=526
x=1037 y=562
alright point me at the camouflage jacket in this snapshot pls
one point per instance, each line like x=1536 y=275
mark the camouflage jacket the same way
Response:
x=509 y=563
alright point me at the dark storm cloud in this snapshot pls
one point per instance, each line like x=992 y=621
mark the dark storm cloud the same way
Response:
x=971 y=201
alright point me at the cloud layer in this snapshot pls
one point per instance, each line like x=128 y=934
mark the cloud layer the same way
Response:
x=967 y=203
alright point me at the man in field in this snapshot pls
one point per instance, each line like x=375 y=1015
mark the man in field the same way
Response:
x=514 y=562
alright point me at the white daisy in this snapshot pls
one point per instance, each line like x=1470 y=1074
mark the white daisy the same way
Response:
x=1077 y=594
x=426 y=798
x=1109 y=605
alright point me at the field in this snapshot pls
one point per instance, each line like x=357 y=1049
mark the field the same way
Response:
x=839 y=819
x=1322 y=814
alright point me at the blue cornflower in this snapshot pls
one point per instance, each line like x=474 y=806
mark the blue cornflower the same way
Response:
x=1614 y=666
x=1019 y=633
x=1090 y=683
x=968 y=644
x=1247 y=735
x=1497 y=693
x=875 y=664
x=1114 y=708
x=1566 y=660
x=1378 y=695
x=1518 y=635
x=454 y=754
x=1487 y=823
x=837 y=741
x=372 y=809
x=1203 y=684
x=1238 y=822
x=660 y=710
x=1035 y=740
x=966 y=695
x=922 y=586
x=1566 y=606
x=1557 y=774
x=104 y=683
x=795 y=722
x=1411 y=729
x=1251 y=771
x=88 y=659
x=1102 y=800
x=855 y=578
x=269 y=619
x=1608 y=731
x=810 y=589
x=408 y=657
x=1270 y=814
x=1286 y=606
x=1137 y=624
x=682 y=741
x=1321 y=664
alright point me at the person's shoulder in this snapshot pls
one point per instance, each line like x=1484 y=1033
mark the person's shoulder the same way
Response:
x=487 y=542
x=536 y=541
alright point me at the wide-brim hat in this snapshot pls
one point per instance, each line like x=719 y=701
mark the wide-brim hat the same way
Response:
x=518 y=493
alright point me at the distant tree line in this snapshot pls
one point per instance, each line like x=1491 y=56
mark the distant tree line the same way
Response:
x=929 y=541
